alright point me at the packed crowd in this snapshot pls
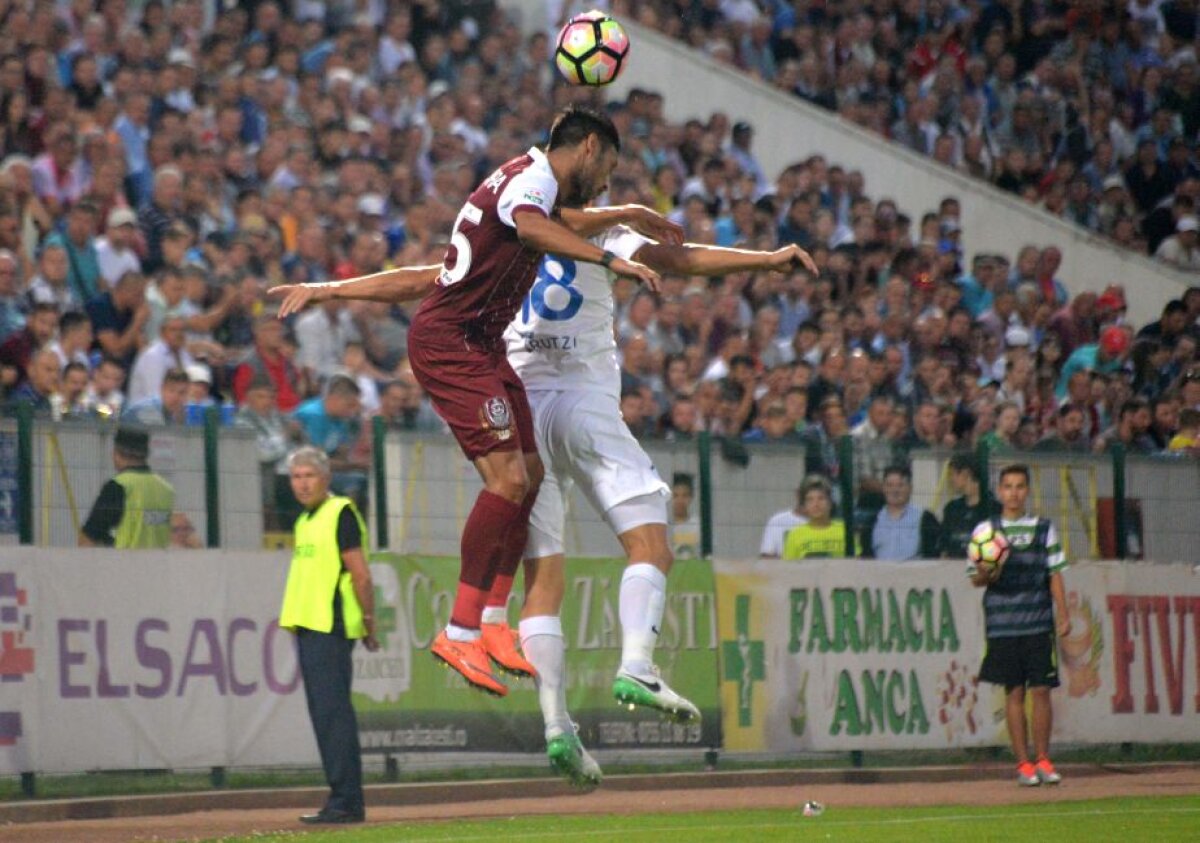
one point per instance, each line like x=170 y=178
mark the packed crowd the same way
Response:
x=1090 y=110
x=161 y=170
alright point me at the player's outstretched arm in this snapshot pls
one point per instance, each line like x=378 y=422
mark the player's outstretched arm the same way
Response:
x=695 y=259
x=539 y=232
x=394 y=286
x=588 y=222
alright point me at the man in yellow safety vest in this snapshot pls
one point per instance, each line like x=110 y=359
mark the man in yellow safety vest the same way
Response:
x=133 y=509
x=329 y=604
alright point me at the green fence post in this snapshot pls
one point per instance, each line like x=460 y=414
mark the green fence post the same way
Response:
x=845 y=451
x=704 y=456
x=983 y=459
x=212 y=482
x=25 y=473
x=378 y=438
x=1118 y=495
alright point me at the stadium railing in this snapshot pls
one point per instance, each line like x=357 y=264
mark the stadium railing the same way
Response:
x=421 y=489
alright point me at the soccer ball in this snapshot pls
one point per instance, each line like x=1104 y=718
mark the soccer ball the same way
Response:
x=988 y=547
x=591 y=49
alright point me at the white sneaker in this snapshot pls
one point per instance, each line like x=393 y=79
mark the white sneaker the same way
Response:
x=650 y=691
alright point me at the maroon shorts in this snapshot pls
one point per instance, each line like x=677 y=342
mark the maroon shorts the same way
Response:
x=479 y=396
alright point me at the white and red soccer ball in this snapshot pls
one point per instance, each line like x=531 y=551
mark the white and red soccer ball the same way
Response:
x=988 y=547
x=591 y=50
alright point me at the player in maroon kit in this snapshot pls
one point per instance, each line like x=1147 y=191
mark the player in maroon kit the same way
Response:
x=458 y=355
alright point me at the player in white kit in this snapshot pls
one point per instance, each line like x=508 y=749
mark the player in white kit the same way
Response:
x=561 y=345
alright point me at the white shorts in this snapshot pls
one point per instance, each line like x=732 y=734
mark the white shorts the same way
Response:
x=583 y=440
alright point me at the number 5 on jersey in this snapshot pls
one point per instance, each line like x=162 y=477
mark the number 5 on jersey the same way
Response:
x=553 y=297
x=462 y=246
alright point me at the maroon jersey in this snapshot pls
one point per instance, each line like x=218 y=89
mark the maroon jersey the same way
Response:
x=488 y=272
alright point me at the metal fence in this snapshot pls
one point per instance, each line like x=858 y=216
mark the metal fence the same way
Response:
x=421 y=490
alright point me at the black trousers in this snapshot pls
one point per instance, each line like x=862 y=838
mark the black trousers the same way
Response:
x=328 y=670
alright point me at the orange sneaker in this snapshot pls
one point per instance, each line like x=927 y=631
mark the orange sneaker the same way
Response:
x=470 y=660
x=1046 y=773
x=1027 y=775
x=503 y=644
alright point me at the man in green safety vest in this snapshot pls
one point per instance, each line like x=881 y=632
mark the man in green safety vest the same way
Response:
x=133 y=509
x=329 y=603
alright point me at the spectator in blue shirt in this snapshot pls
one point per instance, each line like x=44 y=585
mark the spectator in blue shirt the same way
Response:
x=331 y=423
x=1105 y=357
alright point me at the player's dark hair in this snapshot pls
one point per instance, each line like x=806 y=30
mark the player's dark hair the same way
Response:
x=572 y=126
x=681 y=478
x=899 y=470
x=74 y=366
x=1015 y=468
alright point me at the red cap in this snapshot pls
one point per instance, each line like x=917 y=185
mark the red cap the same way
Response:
x=1114 y=341
x=1109 y=301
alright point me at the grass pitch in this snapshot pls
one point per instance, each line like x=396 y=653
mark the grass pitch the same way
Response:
x=1160 y=820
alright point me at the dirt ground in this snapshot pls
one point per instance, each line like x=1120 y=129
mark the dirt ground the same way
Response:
x=210 y=824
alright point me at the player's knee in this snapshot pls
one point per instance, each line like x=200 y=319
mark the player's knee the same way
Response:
x=511 y=484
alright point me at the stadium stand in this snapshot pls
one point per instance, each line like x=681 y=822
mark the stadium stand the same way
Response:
x=178 y=161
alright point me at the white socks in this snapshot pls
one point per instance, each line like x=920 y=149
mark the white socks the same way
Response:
x=643 y=594
x=542 y=643
x=461 y=633
x=495 y=614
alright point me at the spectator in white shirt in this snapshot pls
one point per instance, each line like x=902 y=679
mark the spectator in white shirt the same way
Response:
x=322 y=334
x=74 y=339
x=1183 y=247
x=778 y=526
x=167 y=352
x=114 y=250
x=50 y=286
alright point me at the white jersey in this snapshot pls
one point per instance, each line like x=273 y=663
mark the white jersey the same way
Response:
x=562 y=337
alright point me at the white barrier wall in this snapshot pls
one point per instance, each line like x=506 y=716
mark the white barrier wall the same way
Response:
x=145 y=660
x=847 y=654
x=788 y=129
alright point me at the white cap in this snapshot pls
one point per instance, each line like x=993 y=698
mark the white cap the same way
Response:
x=1114 y=181
x=179 y=55
x=358 y=123
x=199 y=373
x=121 y=216
x=371 y=204
x=1016 y=336
x=339 y=74
x=1188 y=223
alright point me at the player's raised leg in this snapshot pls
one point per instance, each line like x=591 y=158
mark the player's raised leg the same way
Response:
x=641 y=603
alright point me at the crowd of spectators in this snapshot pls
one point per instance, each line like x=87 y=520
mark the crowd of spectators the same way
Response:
x=1089 y=109
x=161 y=169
